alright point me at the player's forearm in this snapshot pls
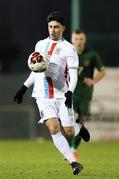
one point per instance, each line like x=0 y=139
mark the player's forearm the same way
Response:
x=73 y=79
x=29 y=81
x=99 y=76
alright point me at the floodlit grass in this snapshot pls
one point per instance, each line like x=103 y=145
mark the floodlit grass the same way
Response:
x=41 y=160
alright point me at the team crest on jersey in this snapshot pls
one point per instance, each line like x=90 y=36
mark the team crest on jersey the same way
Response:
x=86 y=63
x=57 y=51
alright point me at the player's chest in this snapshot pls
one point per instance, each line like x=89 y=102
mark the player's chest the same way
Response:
x=55 y=53
x=86 y=60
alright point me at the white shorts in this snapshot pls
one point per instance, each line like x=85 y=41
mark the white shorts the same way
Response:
x=50 y=108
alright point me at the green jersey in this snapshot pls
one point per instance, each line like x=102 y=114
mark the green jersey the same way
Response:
x=88 y=61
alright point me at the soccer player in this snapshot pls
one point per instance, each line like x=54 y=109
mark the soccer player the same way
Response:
x=89 y=60
x=53 y=90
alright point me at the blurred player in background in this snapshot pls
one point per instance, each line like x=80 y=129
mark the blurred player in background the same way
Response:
x=89 y=60
x=52 y=89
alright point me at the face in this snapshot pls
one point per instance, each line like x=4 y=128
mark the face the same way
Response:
x=55 y=30
x=79 y=41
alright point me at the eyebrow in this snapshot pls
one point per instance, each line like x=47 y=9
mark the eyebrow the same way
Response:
x=53 y=25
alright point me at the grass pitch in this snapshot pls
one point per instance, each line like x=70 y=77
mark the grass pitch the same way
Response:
x=41 y=160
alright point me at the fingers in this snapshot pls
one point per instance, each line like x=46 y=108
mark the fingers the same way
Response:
x=68 y=103
x=17 y=100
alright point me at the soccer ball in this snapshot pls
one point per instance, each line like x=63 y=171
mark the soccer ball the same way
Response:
x=37 y=62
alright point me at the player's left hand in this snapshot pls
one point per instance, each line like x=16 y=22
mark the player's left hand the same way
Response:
x=88 y=81
x=68 y=101
x=18 y=98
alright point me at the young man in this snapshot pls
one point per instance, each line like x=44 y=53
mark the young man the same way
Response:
x=52 y=89
x=89 y=61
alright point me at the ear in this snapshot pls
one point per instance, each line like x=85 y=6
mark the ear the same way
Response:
x=64 y=27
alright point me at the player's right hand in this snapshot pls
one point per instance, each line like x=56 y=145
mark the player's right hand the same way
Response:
x=18 y=98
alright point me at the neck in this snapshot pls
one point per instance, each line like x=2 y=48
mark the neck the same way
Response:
x=55 y=40
x=79 y=51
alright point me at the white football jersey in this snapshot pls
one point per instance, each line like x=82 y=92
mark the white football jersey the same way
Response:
x=54 y=82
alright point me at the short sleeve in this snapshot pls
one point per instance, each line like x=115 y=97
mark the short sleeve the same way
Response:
x=97 y=61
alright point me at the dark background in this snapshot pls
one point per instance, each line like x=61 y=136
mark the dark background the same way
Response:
x=23 y=23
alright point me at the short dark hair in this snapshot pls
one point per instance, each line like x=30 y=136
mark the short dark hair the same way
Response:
x=78 y=31
x=57 y=16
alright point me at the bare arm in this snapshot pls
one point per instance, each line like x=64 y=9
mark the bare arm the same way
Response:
x=96 y=79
